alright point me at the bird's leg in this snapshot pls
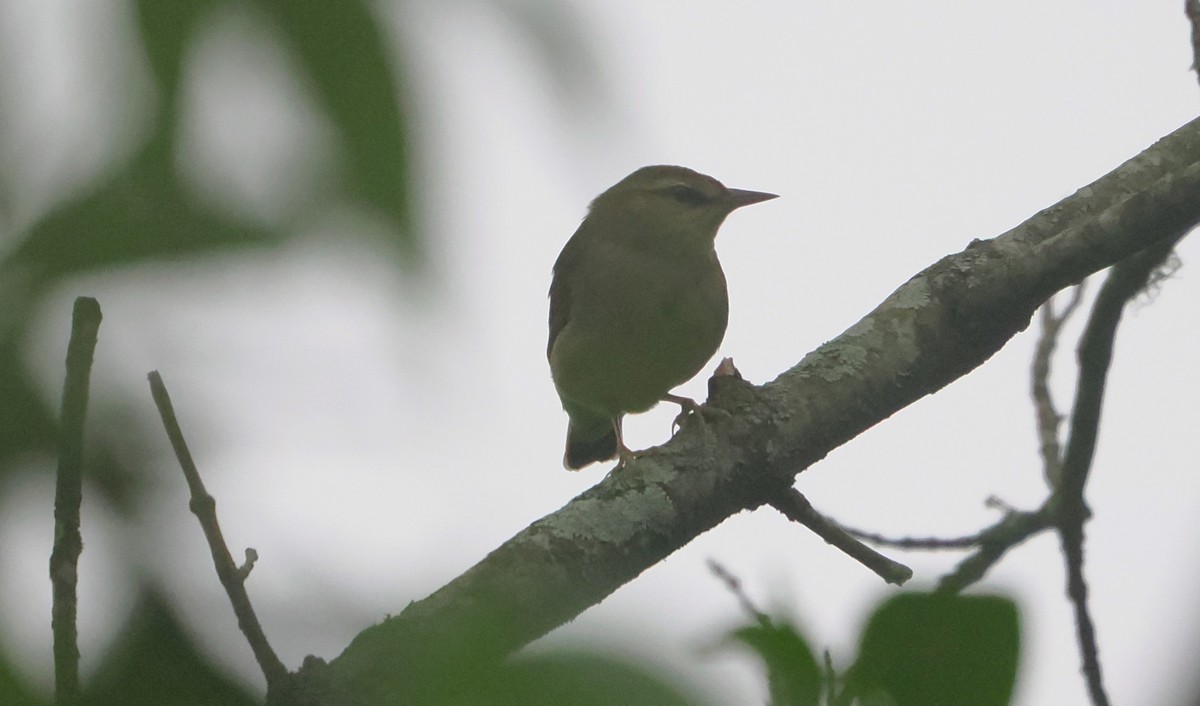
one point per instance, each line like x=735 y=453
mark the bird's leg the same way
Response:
x=687 y=406
x=624 y=453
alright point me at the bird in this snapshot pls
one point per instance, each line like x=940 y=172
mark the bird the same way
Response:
x=638 y=303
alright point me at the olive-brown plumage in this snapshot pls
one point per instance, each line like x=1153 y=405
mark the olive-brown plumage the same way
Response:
x=638 y=301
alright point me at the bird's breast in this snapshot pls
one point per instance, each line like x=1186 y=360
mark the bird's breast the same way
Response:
x=640 y=324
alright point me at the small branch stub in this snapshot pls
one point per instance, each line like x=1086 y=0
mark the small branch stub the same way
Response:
x=796 y=507
x=244 y=570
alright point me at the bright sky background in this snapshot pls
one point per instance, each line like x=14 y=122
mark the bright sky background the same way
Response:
x=373 y=436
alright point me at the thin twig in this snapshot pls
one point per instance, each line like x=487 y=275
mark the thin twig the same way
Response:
x=1077 y=591
x=1124 y=282
x=796 y=508
x=1048 y=418
x=232 y=577
x=68 y=497
x=734 y=584
x=830 y=679
x=994 y=542
x=921 y=543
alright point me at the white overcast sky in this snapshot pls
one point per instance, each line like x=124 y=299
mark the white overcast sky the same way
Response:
x=374 y=436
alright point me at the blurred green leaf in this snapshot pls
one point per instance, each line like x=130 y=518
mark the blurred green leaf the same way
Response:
x=567 y=51
x=141 y=214
x=341 y=47
x=155 y=662
x=142 y=211
x=924 y=649
x=13 y=690
x=26 y=423
x=793 y=677
x=166 y=28
x=567 y=679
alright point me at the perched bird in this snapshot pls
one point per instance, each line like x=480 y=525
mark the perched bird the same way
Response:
x=637 y=303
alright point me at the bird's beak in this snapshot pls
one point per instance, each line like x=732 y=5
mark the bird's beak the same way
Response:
x=741 y=197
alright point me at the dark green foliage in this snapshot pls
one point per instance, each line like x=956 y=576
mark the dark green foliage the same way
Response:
x=571 y=679
x=926 y=649
x=155 y=662
x=918 y=649
x=143 y=211
x=14 y=691
x=793 y=677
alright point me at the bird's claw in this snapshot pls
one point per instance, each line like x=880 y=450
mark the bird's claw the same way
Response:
x=625 y=457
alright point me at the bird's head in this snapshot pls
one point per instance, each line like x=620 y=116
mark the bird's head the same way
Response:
x=669 y=202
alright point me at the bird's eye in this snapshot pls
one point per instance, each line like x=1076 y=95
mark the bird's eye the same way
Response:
x=686 y=195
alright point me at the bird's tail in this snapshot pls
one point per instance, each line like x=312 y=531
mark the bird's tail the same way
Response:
x=589 y=440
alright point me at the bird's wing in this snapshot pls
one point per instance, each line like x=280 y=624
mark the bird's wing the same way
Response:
x=565 y=269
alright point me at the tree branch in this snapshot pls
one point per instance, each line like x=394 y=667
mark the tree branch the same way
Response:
x=994 y=542
x=68 y=497
x=1126 y=280
x=935 y=328
x=1048 y=418
x=232 y=577
x=929 y=543
x=797 y=508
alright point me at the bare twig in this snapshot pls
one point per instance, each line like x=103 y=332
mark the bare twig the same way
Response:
x=734 y=584
x=1048 y=418
x=232 y=577
x=1125 y=281
x=830 y=679
x=920 y=543
x=796 y=507
x=68 y=497
x=994 y=542
x=1072 y=544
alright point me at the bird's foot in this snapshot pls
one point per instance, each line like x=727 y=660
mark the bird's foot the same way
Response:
x=624 y=455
